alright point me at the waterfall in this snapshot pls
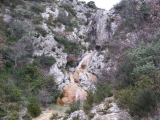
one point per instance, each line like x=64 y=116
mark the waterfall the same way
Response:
x=85 y=61
x=79 y=96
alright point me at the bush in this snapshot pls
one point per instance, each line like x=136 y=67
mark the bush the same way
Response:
x=69 y=47
x=146 y=102
x=41 y=30
x=37 y=19
x=37 y=8
x=91 y=4
x=12 y=93
x=133 y=17
x=14 y=107
x=28 y=14
x=102 y=92
x=141 y=61
x=45 y=61
x=3 y=112
x=14 y=116
x=34 y=109
x=70 y=9
x=27 y=116
x=73 y=107
x=12 y=3
x=87 y=106
x=54 y=116
x=66 y=20
x=15 y=31
x=52 y=88
x=139 y=100
x=30 y=79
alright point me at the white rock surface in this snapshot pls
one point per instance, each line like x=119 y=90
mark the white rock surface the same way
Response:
x=96 y=64
x=80 y=114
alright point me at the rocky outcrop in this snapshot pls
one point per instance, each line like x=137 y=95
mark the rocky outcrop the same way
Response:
x=103 y=26
x=80 y=115
x=72 y=92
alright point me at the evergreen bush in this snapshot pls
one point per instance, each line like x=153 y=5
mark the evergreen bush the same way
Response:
x=34 y=109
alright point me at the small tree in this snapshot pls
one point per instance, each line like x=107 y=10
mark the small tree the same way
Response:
x=91 y=4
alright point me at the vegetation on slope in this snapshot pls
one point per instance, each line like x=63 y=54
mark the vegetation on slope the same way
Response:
x=138 y=76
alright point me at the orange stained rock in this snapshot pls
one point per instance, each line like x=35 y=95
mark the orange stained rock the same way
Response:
x=71 y=78
x=70 y=94
x=77 y=73
x=92 y=77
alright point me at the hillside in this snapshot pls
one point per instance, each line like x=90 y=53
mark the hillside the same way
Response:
x=104 y=64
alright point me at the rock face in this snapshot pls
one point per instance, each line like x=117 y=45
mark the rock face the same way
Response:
x=72 y=92
x=103 y=26
x=85 y=80
x=109 y=110
x=80 y=115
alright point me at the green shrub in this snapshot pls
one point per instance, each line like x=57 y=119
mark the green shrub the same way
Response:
x=87 y=106
x=3 y=112
x=12 y=93
x=91 y=4
x=145 y=102
x=66 y=20
x=37 y=8
x=45 y=61
x=52 y=88
x=140 y=101
x=73 y=107
x=69 y=47
x=16 y=30
x=28 y=14
x=126 y=97
x=34 y=109
x=102 y=92
x=27 y=116
x=120 y=5
x=69 y=9
x=37 y=19
x=133 y=17
x=14 y=107
x=30 y=79
x=141 y=61
x=49 y=21
x=54 y=116
x=14 y=116
x=41 y=30
x=12 y=3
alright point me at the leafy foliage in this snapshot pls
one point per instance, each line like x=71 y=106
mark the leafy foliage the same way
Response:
x=3 y=112
x=69 y=47
x=42 y=31
x=37 y=8
x=34 y=109
x=91 y=4
x=45 y=61
x=73 y=107
x=12 y=93
x=141 y=61
x=139 y=75
x=14 y=116
x=68 y=21
x=70 y=9
x=102 y=91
